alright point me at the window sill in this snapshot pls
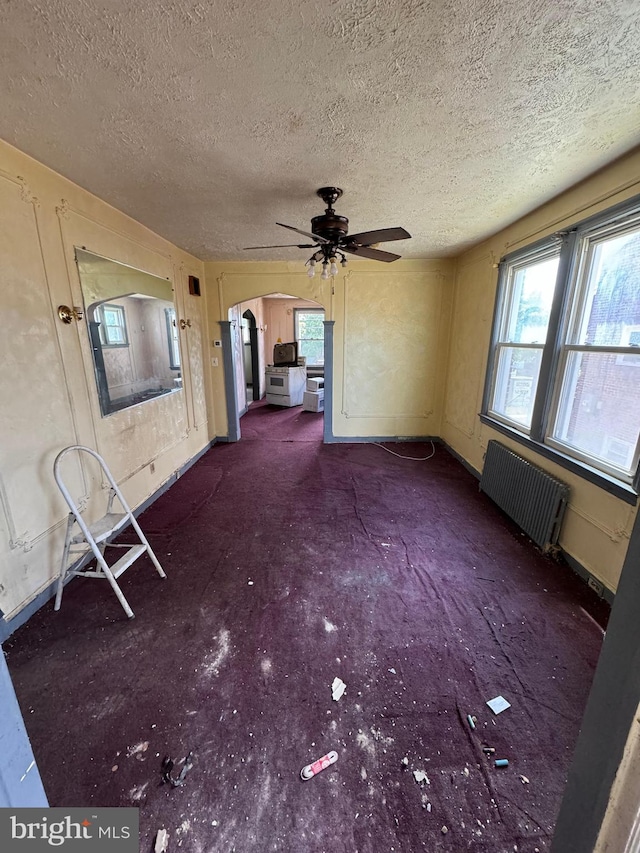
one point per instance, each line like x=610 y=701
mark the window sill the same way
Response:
x=620 y=490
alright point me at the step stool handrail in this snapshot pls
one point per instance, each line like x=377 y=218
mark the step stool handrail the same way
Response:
x=66 y=494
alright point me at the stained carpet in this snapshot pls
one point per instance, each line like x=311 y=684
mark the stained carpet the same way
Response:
x=291 y=563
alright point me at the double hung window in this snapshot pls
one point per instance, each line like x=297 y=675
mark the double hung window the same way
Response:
x=524 y=322
x=113 y=326
x=564 y=370
x=309 y=333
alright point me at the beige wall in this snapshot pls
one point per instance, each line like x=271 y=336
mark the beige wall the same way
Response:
x=390 y=337
x=410 y=348
x=47 y=381
x=597 y=525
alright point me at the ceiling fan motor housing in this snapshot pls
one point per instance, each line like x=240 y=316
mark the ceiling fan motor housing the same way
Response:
x=330 y=226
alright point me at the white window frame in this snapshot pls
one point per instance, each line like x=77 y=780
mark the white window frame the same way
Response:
x=104 y=329
x=626 y=359
x=504 y=333
x=296 y=316
x=570 y=307
x=173 y=338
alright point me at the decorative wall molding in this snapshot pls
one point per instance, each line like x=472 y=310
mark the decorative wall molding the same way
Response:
x=13 y=179
x=573 y=214
x=182 y=437
x=616 y=534
x=23 y=187
x=265 y=274
x=352 y=277
x=469 y=432
x=65 y=209
x=15 y=540
x=62 y=209
x=24 y=541
x=436 y=272
x=25 y=192
x=316 y=287
x=472 y=259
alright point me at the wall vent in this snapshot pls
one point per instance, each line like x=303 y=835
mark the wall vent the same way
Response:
x=535 y=500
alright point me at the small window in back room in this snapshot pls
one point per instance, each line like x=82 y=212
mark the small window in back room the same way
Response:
x=173 y=339
x=309 y=333
x=113 y=326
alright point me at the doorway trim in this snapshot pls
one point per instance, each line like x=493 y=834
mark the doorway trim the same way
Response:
x=328 y=436
x=255 y=361
x=230 y=389
x=230 y=384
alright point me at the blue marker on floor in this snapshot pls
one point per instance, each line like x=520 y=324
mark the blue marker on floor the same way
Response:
x=502 y=762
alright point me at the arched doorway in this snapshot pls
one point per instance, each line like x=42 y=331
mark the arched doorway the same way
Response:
x=249 y=336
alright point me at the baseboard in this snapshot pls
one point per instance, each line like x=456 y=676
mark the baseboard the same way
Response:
x=8 y=627
x=462 y=460
x=571 y=562
x=382 y=439
x=175 y=476
x=586 y=576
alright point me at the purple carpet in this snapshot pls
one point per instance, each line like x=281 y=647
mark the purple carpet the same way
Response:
x=275 y=423
x=290 y=563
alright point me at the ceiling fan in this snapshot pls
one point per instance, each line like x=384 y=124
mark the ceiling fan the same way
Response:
x=331 y=238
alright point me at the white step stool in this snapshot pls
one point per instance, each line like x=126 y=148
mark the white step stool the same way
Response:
x=93 y=538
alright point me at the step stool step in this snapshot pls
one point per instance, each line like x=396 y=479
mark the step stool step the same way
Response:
x=103 y=527
x=127 y=558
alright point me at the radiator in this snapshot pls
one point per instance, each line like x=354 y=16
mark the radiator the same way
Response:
x=531 y=497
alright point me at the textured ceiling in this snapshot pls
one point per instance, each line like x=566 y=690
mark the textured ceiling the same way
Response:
x=208 y=121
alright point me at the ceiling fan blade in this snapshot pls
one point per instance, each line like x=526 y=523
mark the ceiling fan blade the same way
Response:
x=315 y=237
x=382 y=235
x=368 y=252
x=285 y=246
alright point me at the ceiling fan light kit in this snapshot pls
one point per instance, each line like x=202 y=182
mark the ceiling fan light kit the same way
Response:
x=330 y=231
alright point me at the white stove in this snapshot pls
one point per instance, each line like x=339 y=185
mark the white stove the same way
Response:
x=285 y=385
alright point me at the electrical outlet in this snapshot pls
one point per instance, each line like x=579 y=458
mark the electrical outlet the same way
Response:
x=596 y=586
